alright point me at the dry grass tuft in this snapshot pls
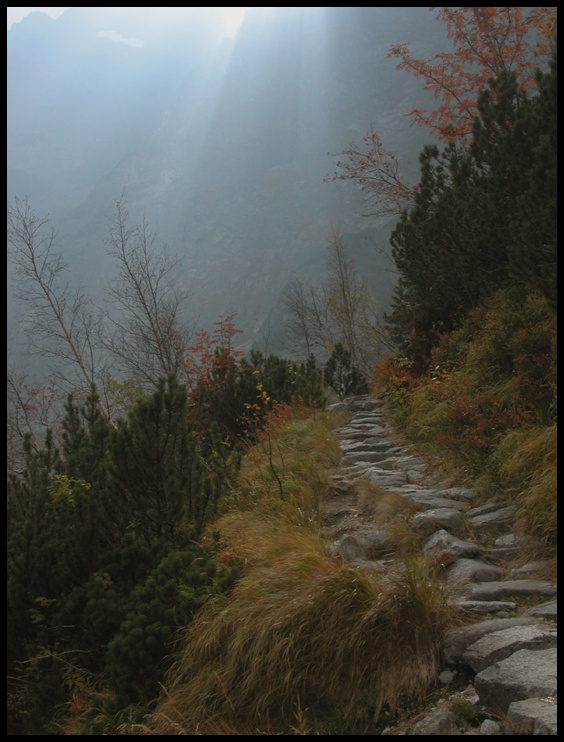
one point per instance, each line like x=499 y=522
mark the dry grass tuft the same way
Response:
x=303 y=642
x=526 y=463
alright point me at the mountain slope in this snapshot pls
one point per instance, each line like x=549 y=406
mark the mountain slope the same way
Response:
x=224 y=145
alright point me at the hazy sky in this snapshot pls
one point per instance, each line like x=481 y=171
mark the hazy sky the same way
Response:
x=231 y=16
x=16 y=14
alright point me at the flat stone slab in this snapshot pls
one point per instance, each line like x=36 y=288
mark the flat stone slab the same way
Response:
x=494 y=519
x=384 y=478
x=442 y=543
x=354 y=433
x=471 y=570
x=458 y=640
x=370 y=457
x=533 y=716
x=527 y=673
x=504 y=607
x=548 y=611
x=350 y=445
x=364 y=544
x=498 y=645
x=429 y=500
x=530 y=569
x=510 y=589
x=467 y=494
x=429 y=521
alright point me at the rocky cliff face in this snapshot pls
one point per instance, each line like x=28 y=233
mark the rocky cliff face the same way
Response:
x=223 y=144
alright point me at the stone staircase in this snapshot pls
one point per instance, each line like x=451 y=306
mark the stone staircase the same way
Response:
x=504 y=654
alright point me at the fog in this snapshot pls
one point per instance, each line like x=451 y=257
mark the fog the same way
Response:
x=222 y=138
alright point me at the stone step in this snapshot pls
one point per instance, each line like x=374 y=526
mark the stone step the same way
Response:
x=509 y=635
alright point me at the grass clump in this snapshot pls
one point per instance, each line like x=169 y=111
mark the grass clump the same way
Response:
x=486 y=408
x=526 y=468
x=304 y=644
x=302 y=631
x=288 y=468
x=467 y=712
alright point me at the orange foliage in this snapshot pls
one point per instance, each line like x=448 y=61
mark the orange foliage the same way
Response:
x=213 y=355
x=486 y=42
x=391 y=376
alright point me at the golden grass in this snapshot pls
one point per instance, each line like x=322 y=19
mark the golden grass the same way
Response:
x=304 y=644
x=526 y=463
x=288 y=470
x=302 y=631
x=487 y=407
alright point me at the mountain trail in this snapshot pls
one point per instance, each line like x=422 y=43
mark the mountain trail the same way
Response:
x=498 y=673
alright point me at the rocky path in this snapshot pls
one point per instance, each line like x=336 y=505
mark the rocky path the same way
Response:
x=501 y=664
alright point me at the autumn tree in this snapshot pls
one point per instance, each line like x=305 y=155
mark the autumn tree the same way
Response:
x=485 y=43
x=224 y=385
x=308 y=324
x=355 y=313
x=143 y=333
x=377 y=173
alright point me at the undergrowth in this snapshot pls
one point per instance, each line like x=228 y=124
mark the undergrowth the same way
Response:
x=304 y=644
x=486 y=409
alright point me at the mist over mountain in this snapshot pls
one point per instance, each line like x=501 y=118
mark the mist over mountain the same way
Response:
x=224 y=144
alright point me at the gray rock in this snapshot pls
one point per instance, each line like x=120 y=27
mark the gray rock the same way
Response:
x=376 y=475
x=352 y=445
x=506 y=554
x=413 y=476
x=446 y=677
x=490 y=506
x=533 y=716
x=369 y=457
x=548 y=611
x=487 y=607
x=525 y=674
x=509 y=589
x=510 y=539
x=471 y=570
x=488 y=525
x=530 y=569
x=363 y=544
x=348 y=547
x=467 y=494
x=489 y=726
x=441 y=722
x=443 y=543
x=458 y=640
x=498 y=645
x=430 y=521
x=425 y=501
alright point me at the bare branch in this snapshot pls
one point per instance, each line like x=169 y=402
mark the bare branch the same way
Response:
x=62 y=320
x=147 y=335
x=376 y=172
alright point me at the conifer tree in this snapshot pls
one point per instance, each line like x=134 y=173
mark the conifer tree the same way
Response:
x=342 y=375
x=103 y=567
x=469 y=231
x=153 y=465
